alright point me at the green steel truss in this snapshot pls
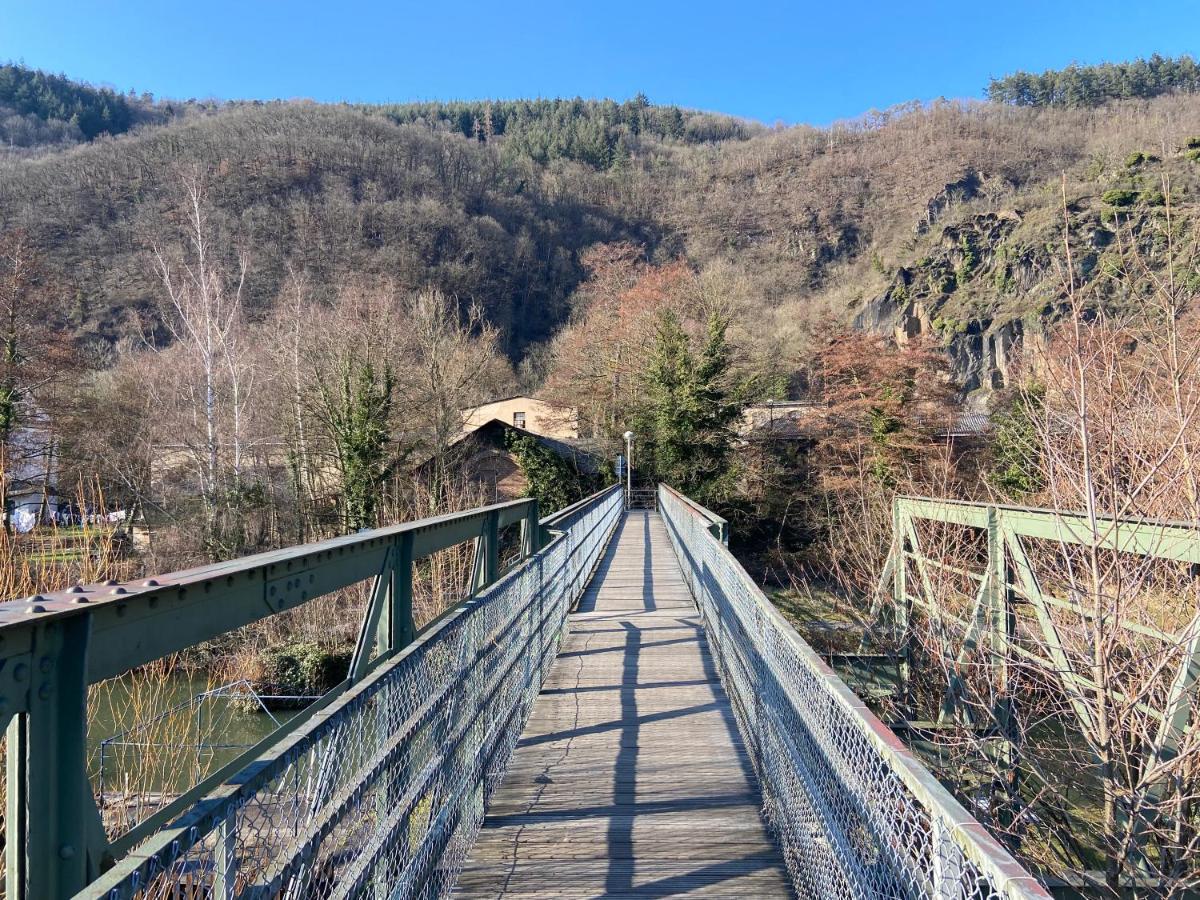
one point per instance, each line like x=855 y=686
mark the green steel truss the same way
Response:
x=53 y=647
x=1005 y=579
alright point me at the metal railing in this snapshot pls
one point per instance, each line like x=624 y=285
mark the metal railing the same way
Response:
x=380 y=785
x=855 y=813
x=384 y=790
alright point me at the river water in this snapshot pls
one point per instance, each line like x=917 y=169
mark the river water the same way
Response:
x=153 y=733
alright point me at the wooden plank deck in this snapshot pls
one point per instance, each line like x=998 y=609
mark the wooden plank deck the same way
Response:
x=630 y=779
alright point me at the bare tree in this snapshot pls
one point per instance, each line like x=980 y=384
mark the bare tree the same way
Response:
x=202 y=309
x=451 y=361
x=1095 y=685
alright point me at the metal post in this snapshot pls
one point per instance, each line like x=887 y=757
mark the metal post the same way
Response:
x=901 y=605
x=1003 y=626
x=531 y=531
x=487 y=553
x=52 y=846
x=225 y=864
x=403 y=629
x=629 y=470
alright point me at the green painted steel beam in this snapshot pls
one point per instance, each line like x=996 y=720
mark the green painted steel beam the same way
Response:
x=136 y=623
x=1179 y=541
x=53 y=646
x=207 y=804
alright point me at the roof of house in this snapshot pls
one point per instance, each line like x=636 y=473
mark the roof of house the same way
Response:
x=516 y=397
x=803 y=421
x=586 y=458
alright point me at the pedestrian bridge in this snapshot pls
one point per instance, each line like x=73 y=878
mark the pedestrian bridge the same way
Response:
x=620 y=712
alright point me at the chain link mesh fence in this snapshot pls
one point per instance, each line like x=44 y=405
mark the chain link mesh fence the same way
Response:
x=854 y=812
x=382 y=793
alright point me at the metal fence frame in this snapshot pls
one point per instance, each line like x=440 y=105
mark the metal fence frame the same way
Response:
x=1007 y=577
x=854 y=811
x=53 y=647
x=398 y=819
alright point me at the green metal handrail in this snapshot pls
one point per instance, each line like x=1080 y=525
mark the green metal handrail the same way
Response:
x=53 y=646
x=855 y=811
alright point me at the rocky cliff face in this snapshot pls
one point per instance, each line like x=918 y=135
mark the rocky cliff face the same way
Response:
x=989 y=284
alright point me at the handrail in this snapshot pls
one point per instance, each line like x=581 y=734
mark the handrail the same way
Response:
x=856 y=812
x=53 y=646
x=563 y=516
x=1167 y=539
x=716 y=526
x=411 y=752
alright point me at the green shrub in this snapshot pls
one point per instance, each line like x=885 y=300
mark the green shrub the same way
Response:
x=1193 y=143
x=304 y=668
x=1136 y=158
x=1112 y=265
x=1017 y=465
x=1004 y=281
x=1119 y=197
x=966 y=267
x=1193 y=154
x=1153 y=198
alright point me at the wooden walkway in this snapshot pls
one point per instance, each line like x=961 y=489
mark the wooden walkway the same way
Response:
x=630 y=779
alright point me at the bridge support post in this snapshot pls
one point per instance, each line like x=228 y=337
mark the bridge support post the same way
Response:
x=388 y=622
x=54 y=834
x=531 y=532
x=901 y=605
x=1003 y=628
x=396 y=628
x=487 y=553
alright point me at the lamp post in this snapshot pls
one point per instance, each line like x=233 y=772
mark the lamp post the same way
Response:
x=629 y=470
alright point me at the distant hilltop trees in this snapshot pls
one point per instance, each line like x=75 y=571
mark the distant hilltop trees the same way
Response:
x=601 y=133
x=1087 y=86
x=94 y=111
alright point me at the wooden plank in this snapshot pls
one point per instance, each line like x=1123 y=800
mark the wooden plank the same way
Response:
x=630 y=778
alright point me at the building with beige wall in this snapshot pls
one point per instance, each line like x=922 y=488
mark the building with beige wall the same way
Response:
x=530 y=413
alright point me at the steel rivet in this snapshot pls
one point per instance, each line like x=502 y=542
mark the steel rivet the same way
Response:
x=20 y=672
x=150 y=582
x=80 y=600
x=118 y=590
x=36 y=608
x=111 y=582
x=44 y=692
x=67 y=851
x=45 y=663
x=36 y=598
x=77 y=589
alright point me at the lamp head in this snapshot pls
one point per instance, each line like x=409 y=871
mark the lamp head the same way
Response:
x=629 y=435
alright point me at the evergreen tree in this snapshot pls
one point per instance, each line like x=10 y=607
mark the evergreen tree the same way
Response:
x=1017 y=465
x=358 y=417
x=689 y=411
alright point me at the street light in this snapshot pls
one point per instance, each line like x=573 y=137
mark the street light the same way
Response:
x=629 y=470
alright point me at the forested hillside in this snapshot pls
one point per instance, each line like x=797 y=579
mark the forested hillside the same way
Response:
x=327 y=189
x=880 y=218
x=941 y=222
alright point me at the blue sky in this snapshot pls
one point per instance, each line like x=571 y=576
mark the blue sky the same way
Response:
x=796 y=62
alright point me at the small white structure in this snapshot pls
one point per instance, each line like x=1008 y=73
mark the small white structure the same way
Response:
x=30 y=477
